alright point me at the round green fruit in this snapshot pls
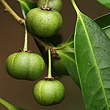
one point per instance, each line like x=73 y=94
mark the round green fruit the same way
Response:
x=43 y=23
x=49 y=92
x=56 y=4
x=25 y=65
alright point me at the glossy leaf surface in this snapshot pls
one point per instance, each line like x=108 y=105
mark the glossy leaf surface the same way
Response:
x=26 y=6
x=92 y=52
x=105 y=2
x=73 y=71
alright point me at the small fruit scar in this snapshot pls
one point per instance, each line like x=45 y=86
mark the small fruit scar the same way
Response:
x=52 y=49
x=20 y=50
x=20 y=21
x=43 y=8
x=5 y=10
x=49 y=79
x=46 y=47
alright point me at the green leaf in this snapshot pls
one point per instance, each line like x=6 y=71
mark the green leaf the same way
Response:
x=67 y=56
x=9 y=106
x=105 y=2
x=92 y=53
x=107 y=31
x=70 y=41
x=26 y=6
x=104 y=23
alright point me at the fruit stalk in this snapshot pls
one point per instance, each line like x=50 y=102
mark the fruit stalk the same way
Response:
x=46 y=3
x=25 y=48
x=49 y=64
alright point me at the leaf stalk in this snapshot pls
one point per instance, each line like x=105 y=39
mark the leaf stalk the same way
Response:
x=75 y=6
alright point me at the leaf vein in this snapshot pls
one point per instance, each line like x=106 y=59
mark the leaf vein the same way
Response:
x=91 y=48
x=66 y=56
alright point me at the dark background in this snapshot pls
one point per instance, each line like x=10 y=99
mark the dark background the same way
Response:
x=19 y=93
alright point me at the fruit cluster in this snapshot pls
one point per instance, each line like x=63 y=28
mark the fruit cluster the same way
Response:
x=42 y=22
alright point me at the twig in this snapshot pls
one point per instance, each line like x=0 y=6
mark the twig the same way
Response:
x=9 y=9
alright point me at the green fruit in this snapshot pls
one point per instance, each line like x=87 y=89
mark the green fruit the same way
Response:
x=56 y=4
x=59 y=66
x=49 y=92
x=25 y=65
x=43 y=23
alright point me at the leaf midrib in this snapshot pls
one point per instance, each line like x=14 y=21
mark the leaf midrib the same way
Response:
x=58 y=51
x=80 y=17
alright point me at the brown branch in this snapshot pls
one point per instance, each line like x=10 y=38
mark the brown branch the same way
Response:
x=9 y=9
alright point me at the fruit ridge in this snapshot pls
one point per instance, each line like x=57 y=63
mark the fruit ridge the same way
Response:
x=49 y=92
x=43 y=23
x=25 y=65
